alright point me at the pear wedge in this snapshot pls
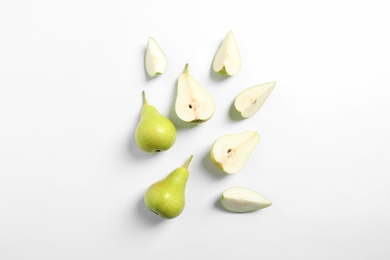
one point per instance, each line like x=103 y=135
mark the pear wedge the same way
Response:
x=249 y=101
x=242 y=200
x=231 y=152
x=193 y=103
x=227 y=60
x=155 y=60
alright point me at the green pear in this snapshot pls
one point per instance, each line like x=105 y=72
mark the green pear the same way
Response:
x=193 y=103
x=154 y=132
x=166 y=197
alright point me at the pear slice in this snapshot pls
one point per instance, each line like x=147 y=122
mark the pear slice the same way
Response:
x=193 y=103
x=155 y=60
x=231 y=152
x=241 y=200
x=249 y=101
x=227 y=60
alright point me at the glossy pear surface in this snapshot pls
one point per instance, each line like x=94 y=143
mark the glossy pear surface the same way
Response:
x=154 y=132
x=193 y=103
x=155 y=60
x=231 y=152
x=227 y=60
x=241 y=200
x=249 y=101
x=166 y=197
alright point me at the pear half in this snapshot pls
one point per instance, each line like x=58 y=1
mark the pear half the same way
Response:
x=231 y=152
x=193 y=103
x=241 y=200
x=227 y=60
x=249 y=101
x=155 y=60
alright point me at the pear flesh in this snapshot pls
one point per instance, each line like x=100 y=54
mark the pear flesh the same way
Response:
x=249 y=101
x=166 y=197
x=193 y=103
x=231 y=152
x=242 y=200
x=155 y=60
x=154 y=132
x=227 y=60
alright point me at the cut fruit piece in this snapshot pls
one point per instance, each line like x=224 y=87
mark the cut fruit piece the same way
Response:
x=241 y=200
x=155 y=60
x=227 y=60
x=231 y=152
x=193 y=103
x=249 y=101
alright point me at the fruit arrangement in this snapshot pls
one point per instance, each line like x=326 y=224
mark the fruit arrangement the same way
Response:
x=230 y=152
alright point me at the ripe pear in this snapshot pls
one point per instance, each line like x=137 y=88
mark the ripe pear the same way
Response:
x=227 y=60
x=241 y=200
x=166 y=197
x=154 y=132
x=249 y=101
x=155 y=60
x=231 y=152
x=193 y=103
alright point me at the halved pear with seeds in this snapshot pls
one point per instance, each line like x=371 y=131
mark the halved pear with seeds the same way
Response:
x=249 y=101
x=241 y=200
x=193 y=103
x=231 y=152
x=155 y=60
x=227 y=60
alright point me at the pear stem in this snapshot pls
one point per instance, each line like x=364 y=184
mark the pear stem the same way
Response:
x=186 y=69
x=144 y=97
x=188 y=162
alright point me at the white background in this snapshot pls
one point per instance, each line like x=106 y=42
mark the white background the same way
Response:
x=72 y=178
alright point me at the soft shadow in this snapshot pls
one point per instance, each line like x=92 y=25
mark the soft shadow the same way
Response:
x=146 y=215
x=218 y=204
x=211 y=168
x=234 y=114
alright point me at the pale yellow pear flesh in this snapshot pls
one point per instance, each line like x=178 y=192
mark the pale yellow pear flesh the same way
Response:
x=154 y=132
x=250 y=100
x=227 y=60
x=166 y=197
x=231 y=152
x=193 y=103
x=155 y=60
x=242 y=200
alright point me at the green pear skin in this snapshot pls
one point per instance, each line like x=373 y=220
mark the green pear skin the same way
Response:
x=166 y=197
x=154 y=132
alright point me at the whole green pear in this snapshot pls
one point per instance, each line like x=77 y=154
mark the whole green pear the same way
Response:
x=155 y=132
x=166 y=197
